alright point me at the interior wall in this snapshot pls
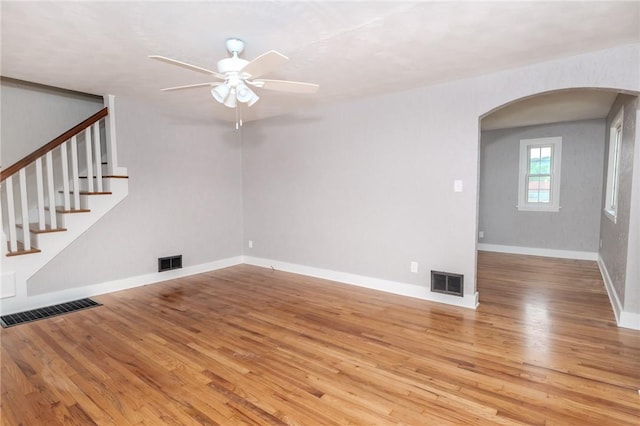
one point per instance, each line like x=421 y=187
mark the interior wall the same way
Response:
x=185 y=197
x=366 y=187
x=576 y=227
x=32 y=115
x=615 y=236
x=632 y=287
x=361 y=188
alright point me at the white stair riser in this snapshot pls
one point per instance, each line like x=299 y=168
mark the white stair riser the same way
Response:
x=106 y=182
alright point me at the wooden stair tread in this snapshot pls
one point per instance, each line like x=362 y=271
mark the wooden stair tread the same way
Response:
x=90 y=193
x=35 y=228
x=22 y=251
x=61 y=209
x=107 y=176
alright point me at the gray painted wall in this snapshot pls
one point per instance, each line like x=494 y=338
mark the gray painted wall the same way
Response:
x=365 y=187
x=632 y=287
x=184 y=198
x=576 y=226
x=615 y=236
x=361 y=188
x=32 y=115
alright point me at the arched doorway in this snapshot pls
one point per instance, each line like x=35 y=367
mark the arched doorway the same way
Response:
x=520 y=162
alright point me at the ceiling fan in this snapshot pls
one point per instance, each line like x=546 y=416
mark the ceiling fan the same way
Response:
x=239 y=76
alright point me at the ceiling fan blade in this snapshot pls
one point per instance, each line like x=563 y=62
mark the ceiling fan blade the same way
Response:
x=187 y=66
x=264 y=64
x=286 y=86
x=189 y=86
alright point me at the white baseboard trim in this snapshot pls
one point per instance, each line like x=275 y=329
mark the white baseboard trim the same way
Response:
x=402 y=289
x=7 y=284
x=624 y=319
x=629 y=320
x=17 y=304
x=533 y=251
x=611 y=292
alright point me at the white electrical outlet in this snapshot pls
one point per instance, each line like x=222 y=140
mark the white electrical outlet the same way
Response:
x=481 y=234
x=457 y=185
x=414 y=267
x=250 y=243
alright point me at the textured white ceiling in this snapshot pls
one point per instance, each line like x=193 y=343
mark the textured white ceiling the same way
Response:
x=352 y=49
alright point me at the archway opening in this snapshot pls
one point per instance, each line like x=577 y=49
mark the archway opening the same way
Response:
x=529 y=145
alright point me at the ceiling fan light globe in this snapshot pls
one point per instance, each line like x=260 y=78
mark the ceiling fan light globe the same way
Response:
x=220 y=93
x=243 y=93
x=231 y=99
x=253 y=100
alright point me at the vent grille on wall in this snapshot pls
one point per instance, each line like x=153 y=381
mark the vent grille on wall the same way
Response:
x=445 y=282
x=169 y=263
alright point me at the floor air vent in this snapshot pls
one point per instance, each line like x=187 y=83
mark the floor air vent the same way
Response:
x=445 y=282
x=169 y=263
x=48 y=312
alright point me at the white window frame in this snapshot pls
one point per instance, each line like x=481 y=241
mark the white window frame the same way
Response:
x=556 y=161
x=613 y=167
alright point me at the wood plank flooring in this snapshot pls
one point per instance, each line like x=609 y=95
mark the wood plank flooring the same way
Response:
x=252 y=346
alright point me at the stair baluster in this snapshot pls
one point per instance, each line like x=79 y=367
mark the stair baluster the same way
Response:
x=64 y=163
x=53 y=221
x=40 y=194
x=97 y=156
x=87 y=135
x=11 y=211
x=22 y=180
x=74 y=173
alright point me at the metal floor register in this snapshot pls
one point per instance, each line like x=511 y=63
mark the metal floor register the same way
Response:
x=47 y=312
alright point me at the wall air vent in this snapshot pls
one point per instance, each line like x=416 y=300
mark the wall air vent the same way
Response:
x=169 y=263
x=445 y=282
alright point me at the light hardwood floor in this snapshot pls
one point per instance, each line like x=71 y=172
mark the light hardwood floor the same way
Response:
x=247 y=345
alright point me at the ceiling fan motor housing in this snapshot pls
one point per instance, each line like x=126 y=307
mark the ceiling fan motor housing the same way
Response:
x=231 y=65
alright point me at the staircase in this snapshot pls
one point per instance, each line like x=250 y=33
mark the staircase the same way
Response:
x=52 y=196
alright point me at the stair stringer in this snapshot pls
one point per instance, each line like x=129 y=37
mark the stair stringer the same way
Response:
x=16 y=270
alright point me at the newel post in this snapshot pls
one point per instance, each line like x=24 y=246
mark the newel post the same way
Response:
x=110 y=132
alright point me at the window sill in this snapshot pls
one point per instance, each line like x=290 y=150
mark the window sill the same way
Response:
x=549 y=209
x=611 y=214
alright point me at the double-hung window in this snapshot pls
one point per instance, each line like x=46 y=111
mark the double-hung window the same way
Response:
x=539 y=177
x=615 y=145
